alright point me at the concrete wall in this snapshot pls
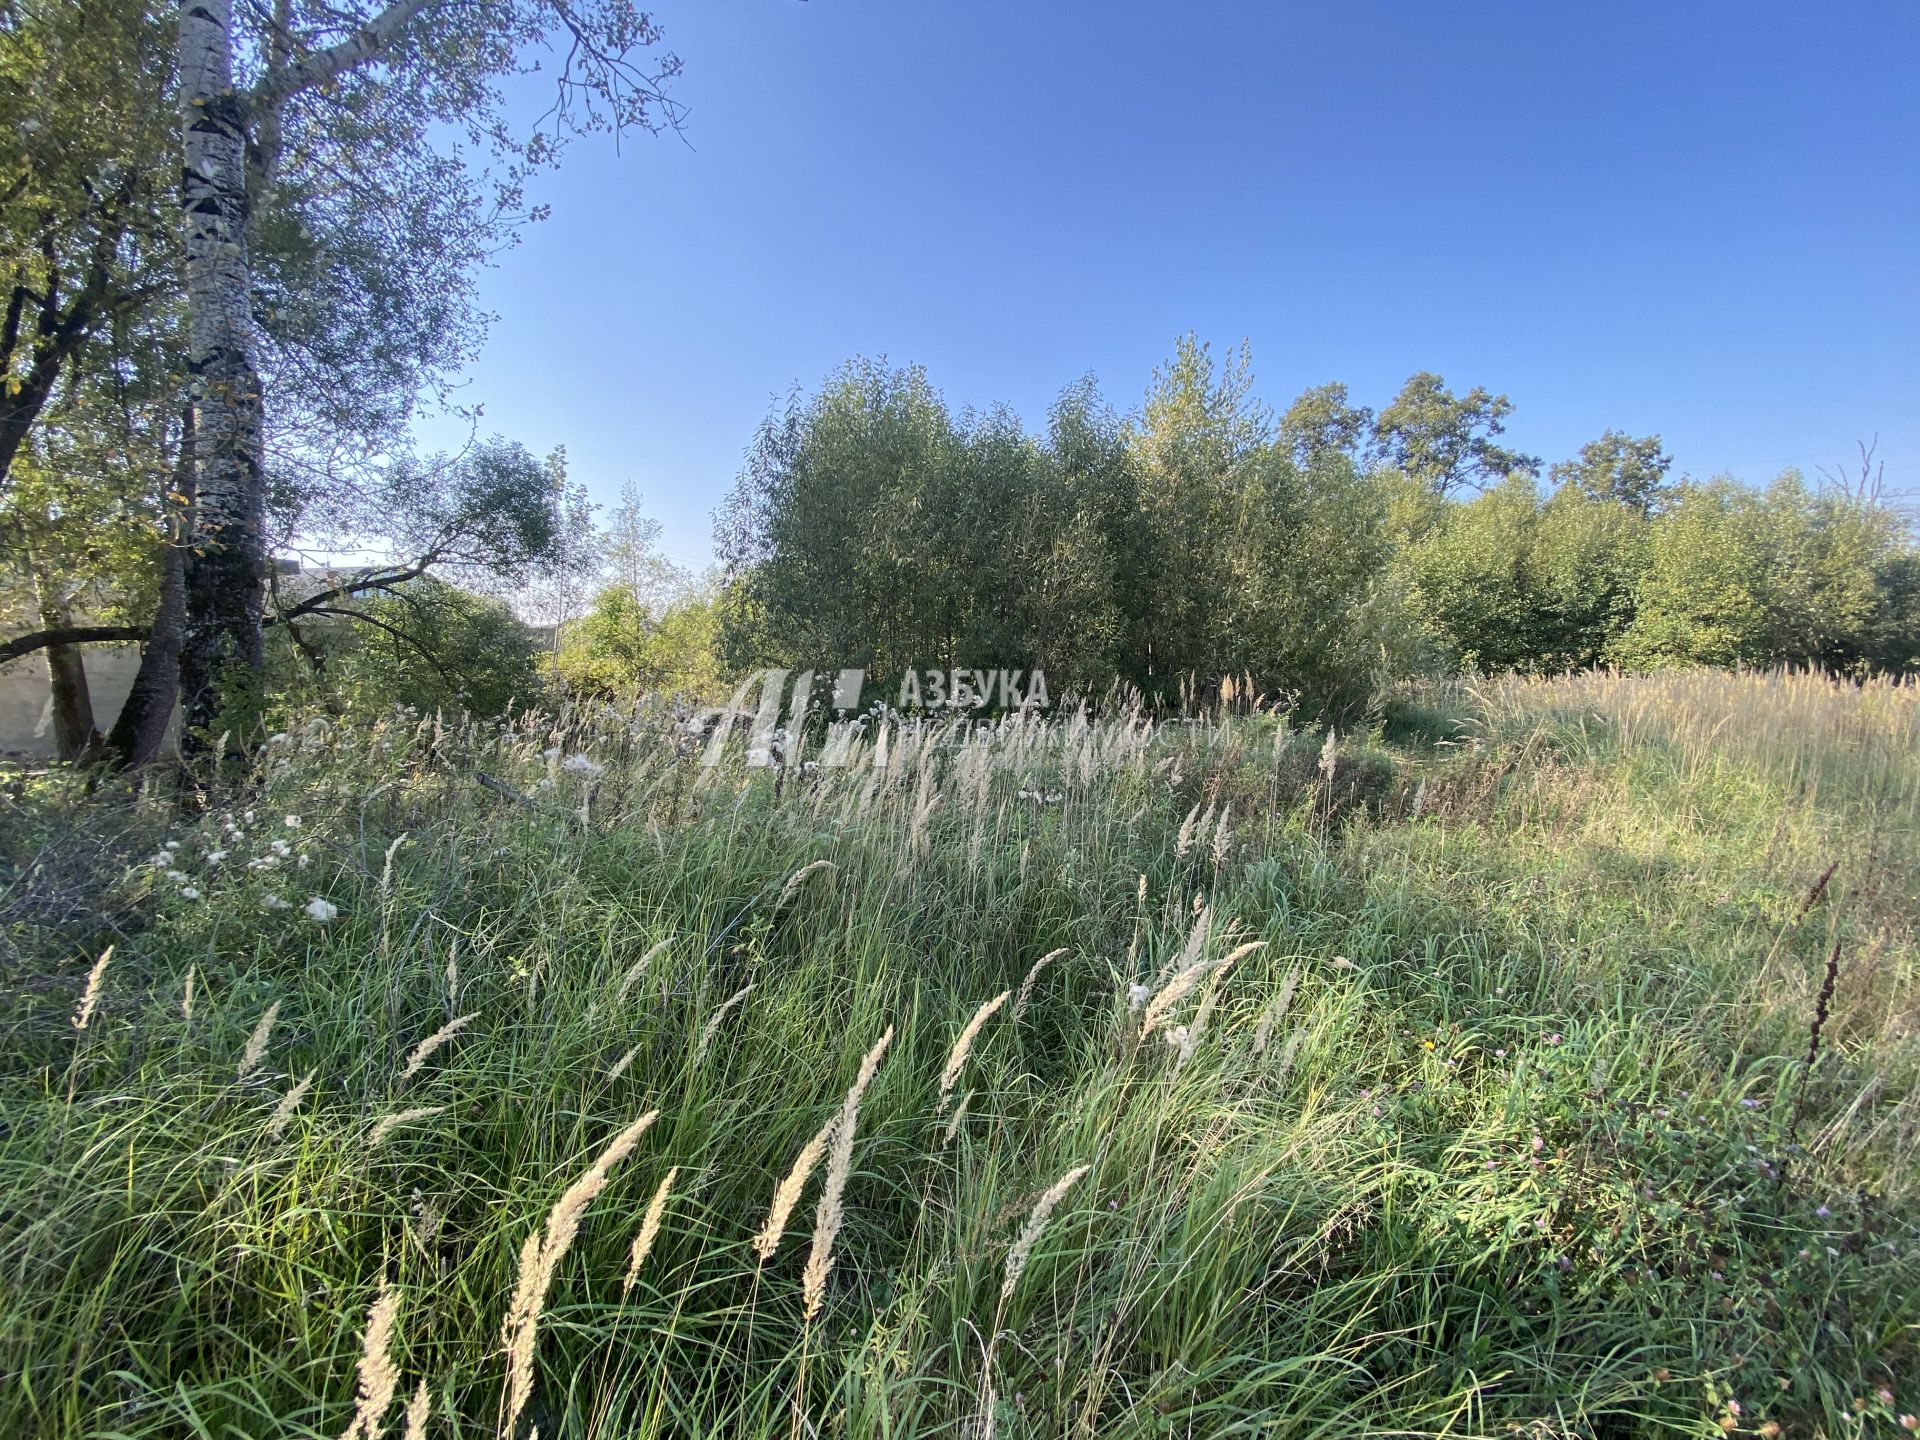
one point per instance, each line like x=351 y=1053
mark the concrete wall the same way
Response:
x=26 y=709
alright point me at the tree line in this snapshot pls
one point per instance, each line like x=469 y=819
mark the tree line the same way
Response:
x=1321 y=551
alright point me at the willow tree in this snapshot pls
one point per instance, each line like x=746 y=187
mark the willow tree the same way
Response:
x=317 y=109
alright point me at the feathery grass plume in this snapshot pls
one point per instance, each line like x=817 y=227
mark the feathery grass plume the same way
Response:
x=1195 y=942
x=453 y=974
x=256 y=1050
x=793 y=880
x=541 y=1255
x=1223 y=837
x=1033 y=974
x=289 y=1102
x=713 y=1022
x=828 y=1214
x=649 y=1230
x=1209 y=998
x=418 y=1409
x=1183 y=842
x=377 y=1373
x=1330 y=755
x=957 y=1056
x=433 y=1042
x=638 y=969
x=620 y=1065
x=90 y=997
x=1042 y=1211
x=1183 y=983
x=786 y=1194
x=388 y=1124
x=953 y=1120
x=1275 y=1010
x=186 y=995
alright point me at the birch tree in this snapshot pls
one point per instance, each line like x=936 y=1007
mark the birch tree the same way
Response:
x=259 y=87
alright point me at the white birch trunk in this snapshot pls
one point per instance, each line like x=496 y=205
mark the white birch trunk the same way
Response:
x=226 y=564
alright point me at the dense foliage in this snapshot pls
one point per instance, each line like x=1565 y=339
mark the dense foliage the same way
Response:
x=1319 y=556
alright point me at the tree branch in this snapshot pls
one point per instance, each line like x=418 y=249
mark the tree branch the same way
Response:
x=277 y=86
x=73 y=635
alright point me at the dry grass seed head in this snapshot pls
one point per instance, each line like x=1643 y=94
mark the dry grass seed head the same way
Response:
x=90 y=997
x=828 y=1215
x=957 y=1056
x=378 y=1377
x=1037 y=1219
x=387 y=1124
x=289 y=1102
x=433 y=1042
x=256 y=1050
x=1033 y=974
x=540 y=1257
x=786 y=1194
x=649 y=1229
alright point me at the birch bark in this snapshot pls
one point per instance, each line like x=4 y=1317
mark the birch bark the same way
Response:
x=226 y=562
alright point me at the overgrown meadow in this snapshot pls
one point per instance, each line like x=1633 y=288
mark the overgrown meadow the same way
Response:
x=1540 y=1062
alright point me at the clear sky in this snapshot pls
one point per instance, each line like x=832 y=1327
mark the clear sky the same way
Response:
x=1701 y=220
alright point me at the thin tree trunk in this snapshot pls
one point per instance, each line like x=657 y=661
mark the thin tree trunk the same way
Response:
x=221 y=650
x=141 y=728
x=74 y=737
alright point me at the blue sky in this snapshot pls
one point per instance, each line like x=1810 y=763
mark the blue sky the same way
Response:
x=1696 y=219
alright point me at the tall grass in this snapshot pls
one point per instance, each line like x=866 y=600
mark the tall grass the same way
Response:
x=1453 y=1088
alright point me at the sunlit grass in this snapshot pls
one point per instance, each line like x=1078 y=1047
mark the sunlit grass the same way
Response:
x=1506 y=1121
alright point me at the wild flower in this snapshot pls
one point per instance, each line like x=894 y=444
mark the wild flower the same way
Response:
x=322 y=911
x=1037 y=1219
x=90 y=996
x=583 y=765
